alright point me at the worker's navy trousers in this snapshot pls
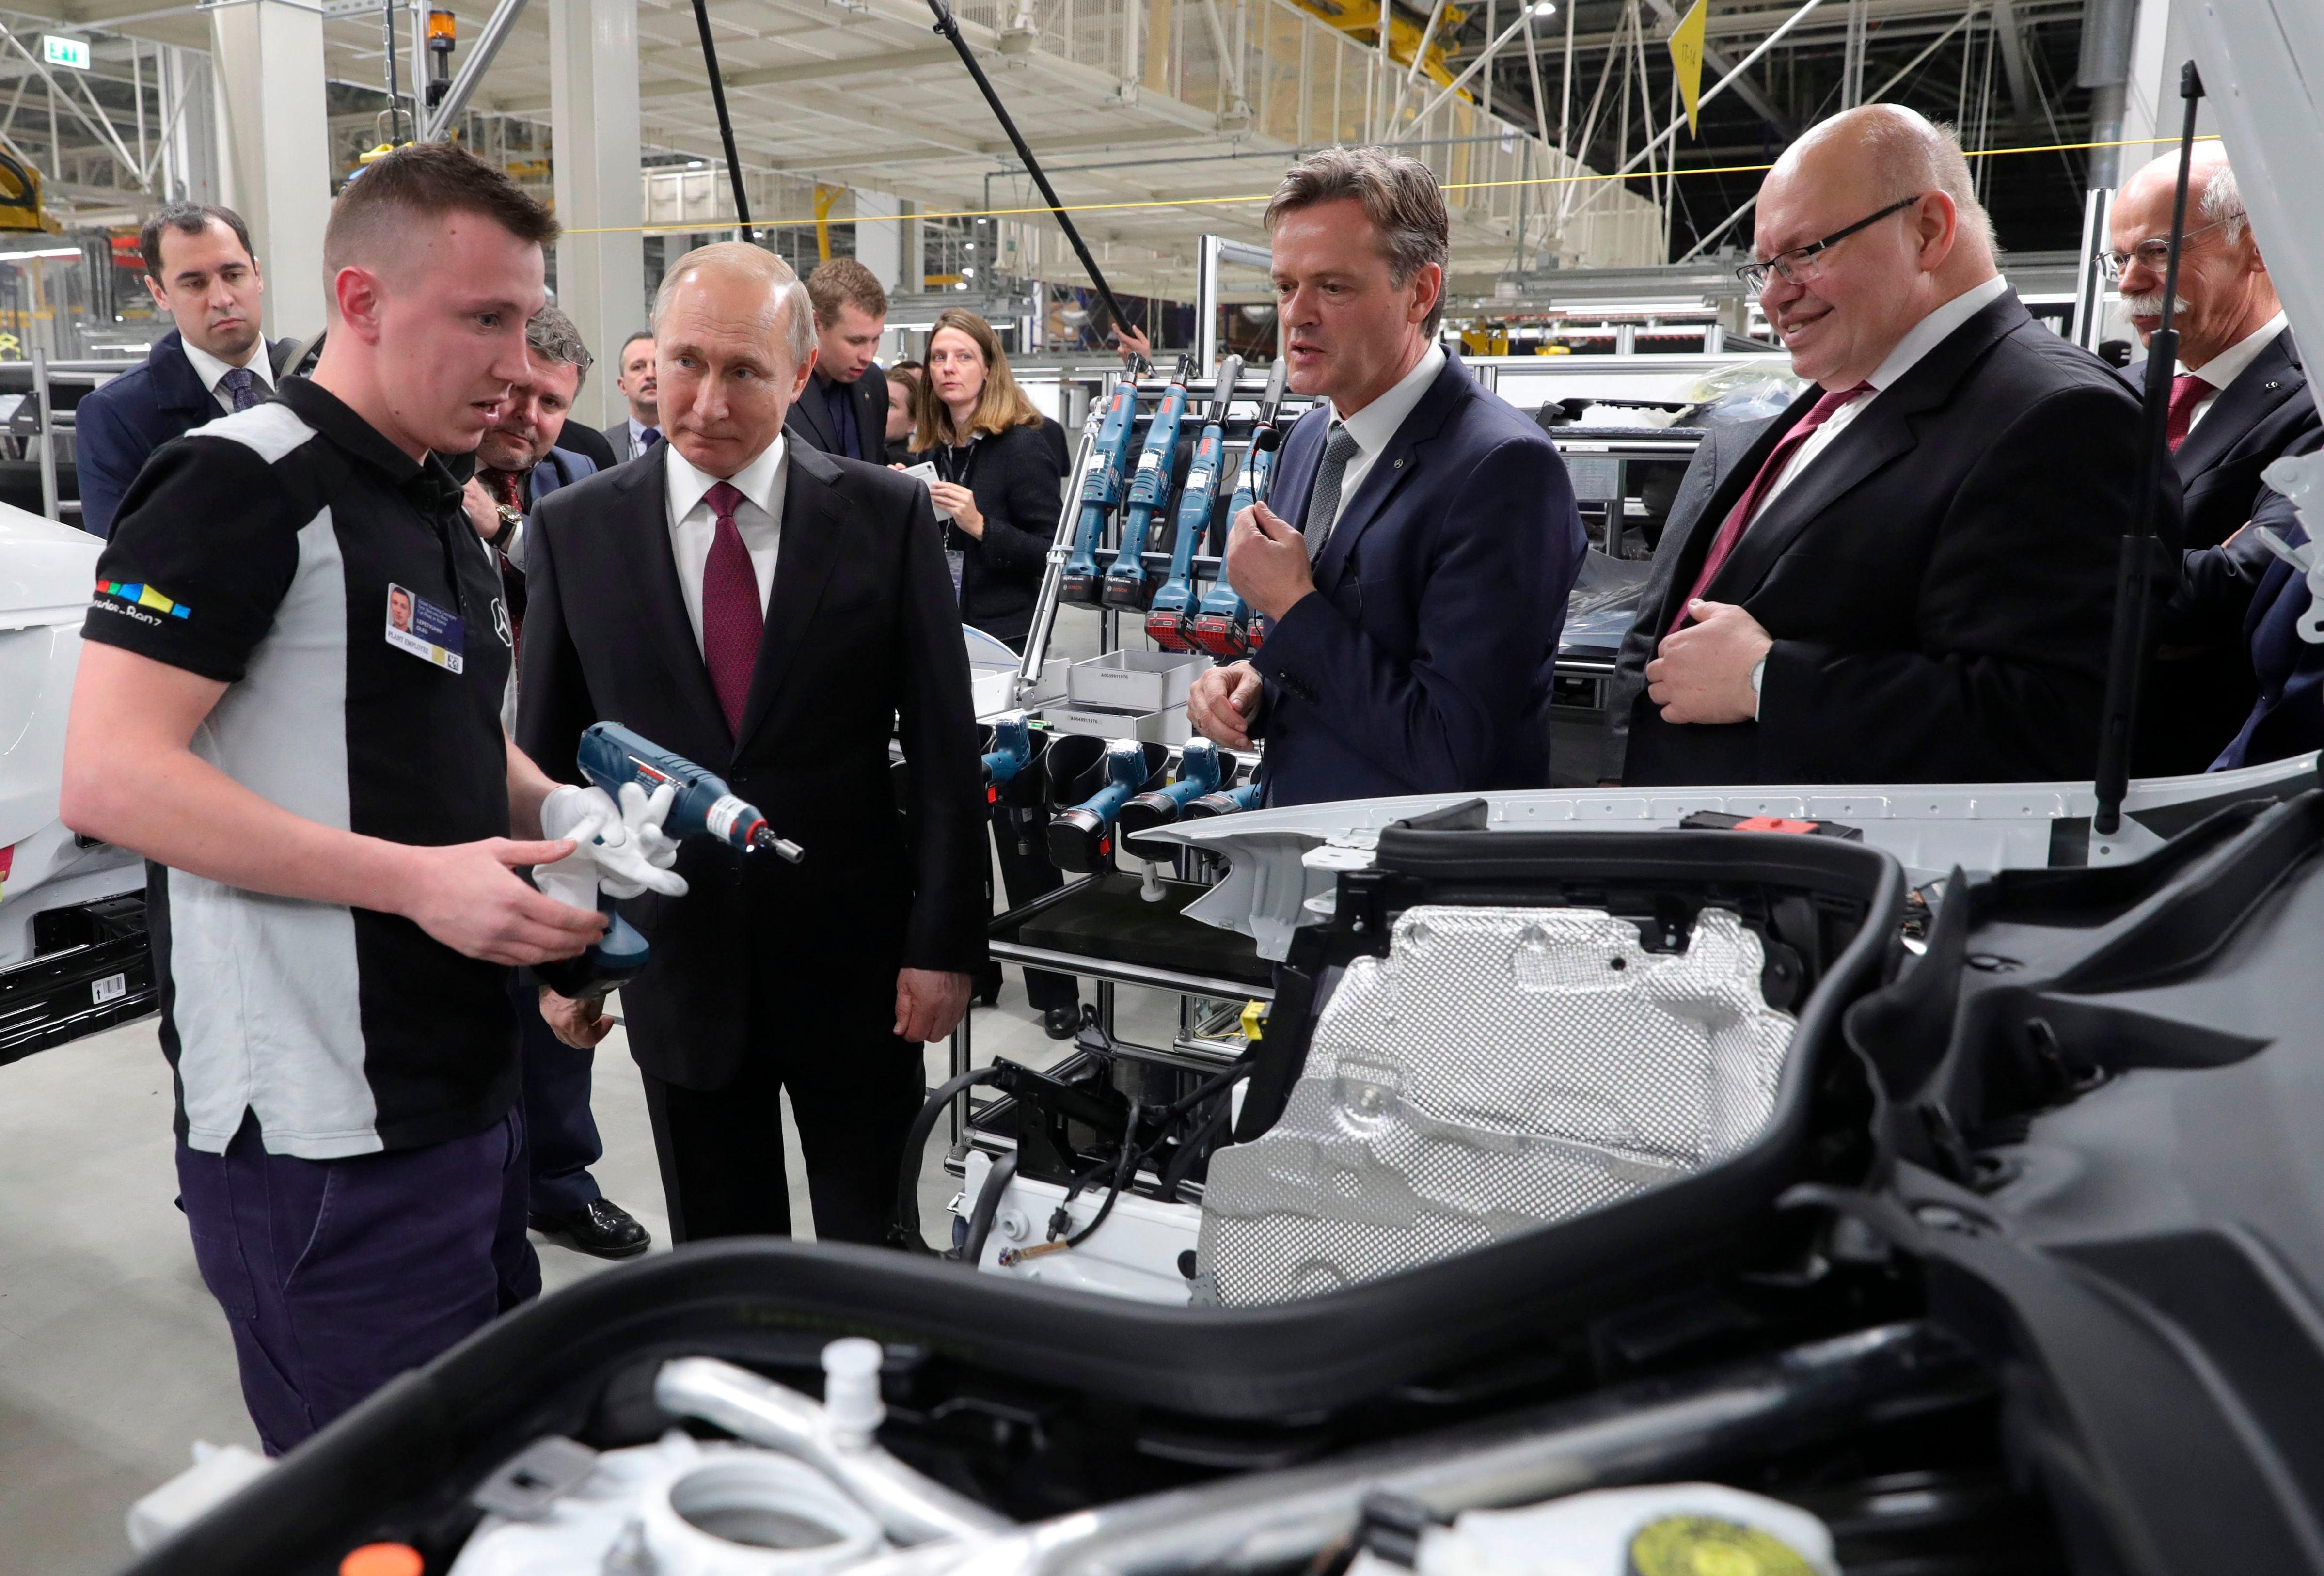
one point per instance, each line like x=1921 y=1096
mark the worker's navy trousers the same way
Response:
x=559 y=1128
x=335 y=1275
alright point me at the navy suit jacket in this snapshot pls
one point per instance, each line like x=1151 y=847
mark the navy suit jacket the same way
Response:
x=116 y=426
x=1423 y=662
x=868 y=394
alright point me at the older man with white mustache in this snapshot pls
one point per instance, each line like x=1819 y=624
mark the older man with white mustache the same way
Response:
x=2239 y=400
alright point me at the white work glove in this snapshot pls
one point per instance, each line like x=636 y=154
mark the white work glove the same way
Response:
x=620 y=855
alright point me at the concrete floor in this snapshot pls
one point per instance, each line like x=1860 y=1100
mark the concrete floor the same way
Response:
x=113 y=1358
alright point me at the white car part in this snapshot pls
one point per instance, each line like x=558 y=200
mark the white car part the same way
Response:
x=836 y=1438
x=1284 y=865
x=680 y=1507
x=1136 y=1255
x=1500 y=1070
x=219 y=1472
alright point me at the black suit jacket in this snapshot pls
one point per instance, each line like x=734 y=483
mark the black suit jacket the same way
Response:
x=810 y=423
x=1019 y=488
x=116 y=428
x=1423 y=662
x=862 y=642
x=1939 y=584
x=2198 y=691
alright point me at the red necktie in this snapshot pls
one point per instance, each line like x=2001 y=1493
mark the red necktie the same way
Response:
x=2186 y=392
x=732 y=618
x=1723 y=545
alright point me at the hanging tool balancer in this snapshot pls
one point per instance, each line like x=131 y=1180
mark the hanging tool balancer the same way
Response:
x=1223 y=624
x=1100 y=491
x=1129 y=583
x=1174 y=604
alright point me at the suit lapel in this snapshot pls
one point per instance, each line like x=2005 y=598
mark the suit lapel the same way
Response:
x=1740 y=453
x=177 y=383
x=1396 y=463
x=813 y=528
x=651 y=570
x=808 y=409
x=1887 y=427
x=2273 y=377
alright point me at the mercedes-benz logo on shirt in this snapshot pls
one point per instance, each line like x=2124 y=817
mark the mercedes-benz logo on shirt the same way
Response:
x=501 y=624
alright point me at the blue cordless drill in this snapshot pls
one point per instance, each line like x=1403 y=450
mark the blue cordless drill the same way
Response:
x=609 y=756
x=1166 y=619
x=1100 y=491
x=1202 y=767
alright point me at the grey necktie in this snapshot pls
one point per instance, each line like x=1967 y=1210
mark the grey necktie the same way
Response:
x=1323 y=503
x=241 y=385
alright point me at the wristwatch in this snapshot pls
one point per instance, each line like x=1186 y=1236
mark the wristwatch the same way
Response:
x=511 y=522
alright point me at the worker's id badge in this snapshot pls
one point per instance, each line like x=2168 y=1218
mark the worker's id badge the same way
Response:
x=419 y=626
x=958 y=560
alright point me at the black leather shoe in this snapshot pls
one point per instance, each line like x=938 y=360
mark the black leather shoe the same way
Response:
x=1059 y=1022
x=604 y=1230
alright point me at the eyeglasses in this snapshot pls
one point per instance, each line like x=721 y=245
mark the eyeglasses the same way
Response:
x=2153 y=255
x=1802 y=264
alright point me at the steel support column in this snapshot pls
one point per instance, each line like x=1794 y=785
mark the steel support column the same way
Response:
x=593 y=87
x=266 y=62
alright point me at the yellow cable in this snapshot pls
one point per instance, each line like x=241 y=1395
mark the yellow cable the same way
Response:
x=1188 y=202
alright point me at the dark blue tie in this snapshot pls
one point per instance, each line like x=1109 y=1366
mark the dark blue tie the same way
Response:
x=647 y=437
x=241 y=385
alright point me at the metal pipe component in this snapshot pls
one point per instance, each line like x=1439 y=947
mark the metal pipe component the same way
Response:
x=910 y=1507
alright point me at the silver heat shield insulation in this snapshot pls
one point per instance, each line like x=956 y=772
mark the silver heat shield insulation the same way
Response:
x=1500 y=1070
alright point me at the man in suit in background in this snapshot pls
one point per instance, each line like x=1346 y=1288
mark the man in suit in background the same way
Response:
x=1909 y=575
x=518 y=464
x=201 y=270
x=844 y=410
x=774 y=614
x=2240 y=400
x=640 y=430
x=1414 y=556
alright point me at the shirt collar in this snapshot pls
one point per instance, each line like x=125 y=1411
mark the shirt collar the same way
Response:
x=210 y=369
x=2228 y=365
x=1377 y=422
x=336 y=419
x=755 y=481
x=638 y=430
x=1935 y=328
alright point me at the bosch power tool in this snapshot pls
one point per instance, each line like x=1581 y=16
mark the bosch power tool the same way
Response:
x=1223 y=623
x=1129 y=583
x=701 y=805
x=1100 y=491
x=1174 y=604
x=1226 y=802
x=1203 y=766
x=1106 y=774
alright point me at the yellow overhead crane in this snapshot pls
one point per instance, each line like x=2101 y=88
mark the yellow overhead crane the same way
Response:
x=1359 y=19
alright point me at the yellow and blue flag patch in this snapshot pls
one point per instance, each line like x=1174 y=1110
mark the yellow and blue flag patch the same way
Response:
x=142 y=595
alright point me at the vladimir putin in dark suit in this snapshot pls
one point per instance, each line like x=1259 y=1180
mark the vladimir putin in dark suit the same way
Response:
x=1908 y=576
x=773 y=615
x=1418 y=547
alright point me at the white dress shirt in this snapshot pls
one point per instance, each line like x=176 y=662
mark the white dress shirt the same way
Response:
x=1373 y=426
x=2230 y=364
x=1920 y=339
x=758 y=519
x=211 y=370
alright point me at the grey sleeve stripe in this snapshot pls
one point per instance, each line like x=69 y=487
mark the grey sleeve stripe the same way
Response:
x=270 y=430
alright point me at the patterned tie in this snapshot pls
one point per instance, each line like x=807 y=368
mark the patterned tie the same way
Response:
x=241 y=386
x=1722 y=545
x=647 y=437
x=1323 y=503
x=504 y=486
x=2186 y=392
x=732 y=618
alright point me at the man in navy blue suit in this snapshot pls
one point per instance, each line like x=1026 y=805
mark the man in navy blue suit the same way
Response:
x=201 y=270
x=1414 y=556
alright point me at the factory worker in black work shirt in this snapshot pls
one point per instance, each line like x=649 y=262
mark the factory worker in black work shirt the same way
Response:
x=289 y=701
x=1001 y=478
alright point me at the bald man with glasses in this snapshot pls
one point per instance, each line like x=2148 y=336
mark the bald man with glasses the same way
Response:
x=1908 y=575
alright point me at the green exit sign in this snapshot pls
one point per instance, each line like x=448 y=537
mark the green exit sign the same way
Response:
x=65 y=52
